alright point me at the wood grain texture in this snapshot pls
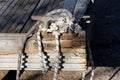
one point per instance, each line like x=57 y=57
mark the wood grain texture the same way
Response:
x=15 y=15
x=4 y=5
x=22 y=14
x=69 y=44
x=32 y=62
x=43 y=7
x=70 y=5
x=8 y=14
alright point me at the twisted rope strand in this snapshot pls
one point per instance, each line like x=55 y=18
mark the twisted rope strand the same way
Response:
x=58 y=57
x=40 y=48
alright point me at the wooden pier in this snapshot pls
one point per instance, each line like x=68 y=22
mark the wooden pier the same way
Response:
x=15 y=15
x=15 y=22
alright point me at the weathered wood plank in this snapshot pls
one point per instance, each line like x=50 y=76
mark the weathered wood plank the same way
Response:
x=41 y=9
x=20 y=13
x=30 y=23
x=35 y=67
x=5 y=5
x=80 y=9
x=70 y=5
x=38 y=66
x=9 y=15
x=4 y=17
x=56 y=4
x=32 y=62
x=26 y=12
x=14 y=21
x=36 y=56
x=37 y=60
x=18 y=20
x=16 y=17
x=49 y=6
x=2 y=4
x=12 y=48
x=74 y=45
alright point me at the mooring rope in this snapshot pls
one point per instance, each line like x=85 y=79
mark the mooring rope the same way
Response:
x=92 y=77
x=40 y=49
x=57 y=39
x=63 y=24
x=22 y=49
x=84 y=75
x=92 y=62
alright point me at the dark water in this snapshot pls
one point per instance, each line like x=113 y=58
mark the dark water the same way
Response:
x=106 y=33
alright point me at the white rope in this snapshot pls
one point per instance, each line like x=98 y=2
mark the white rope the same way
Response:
x=19 y=66
x=84 y=75
x=92 y=74
x=40 y=48
x=58 y=57
x=22 y=49
x=59 y=11
x=92 y=62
